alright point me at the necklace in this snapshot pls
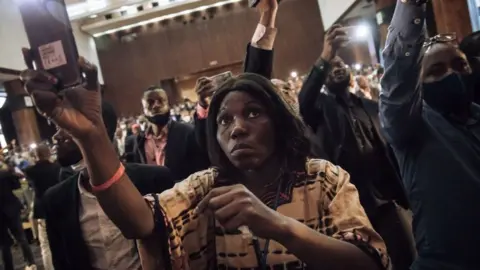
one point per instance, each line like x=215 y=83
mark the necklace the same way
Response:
x=262 y=254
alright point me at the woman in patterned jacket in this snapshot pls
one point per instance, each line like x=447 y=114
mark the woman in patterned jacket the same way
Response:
x=264 y=204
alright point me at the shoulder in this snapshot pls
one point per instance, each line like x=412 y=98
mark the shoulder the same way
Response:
x=187 y=193
x=150 y=170
x=181 y=126
x=57 y=194
x=330 y=175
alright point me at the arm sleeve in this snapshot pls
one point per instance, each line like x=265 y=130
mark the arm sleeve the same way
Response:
x=400 y=97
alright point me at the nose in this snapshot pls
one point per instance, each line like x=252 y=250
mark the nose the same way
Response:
x=239 y=129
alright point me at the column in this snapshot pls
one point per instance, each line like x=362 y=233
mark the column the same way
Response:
x=23 y=113
x=452 y=16
x=173 y=93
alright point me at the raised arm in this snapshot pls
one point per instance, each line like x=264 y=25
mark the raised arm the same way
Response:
x=78 y=112
x=258 y=60
x=400 y=98
x=259 y=57
x=309 y=96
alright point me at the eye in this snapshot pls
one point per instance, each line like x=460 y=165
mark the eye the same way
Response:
x=224 y=120
x=254 y=113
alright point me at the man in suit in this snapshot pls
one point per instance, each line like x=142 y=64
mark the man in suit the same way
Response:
x=165 y=143
x=81 y=236
x=42 y=176
x=10 y=220
x=347 y=127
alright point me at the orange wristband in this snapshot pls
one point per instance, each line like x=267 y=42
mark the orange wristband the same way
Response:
x=118 y=174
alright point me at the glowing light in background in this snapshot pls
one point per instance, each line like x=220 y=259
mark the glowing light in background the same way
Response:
x=362 y=31
x=294 y=74
x=33 y=146
x=357 y=66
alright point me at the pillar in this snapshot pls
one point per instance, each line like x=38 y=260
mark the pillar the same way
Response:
x=452 y=16
x=173 y=92
x=23 y=113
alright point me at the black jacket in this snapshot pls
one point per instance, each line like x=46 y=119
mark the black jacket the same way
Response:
x=182 y=153
x=69 y=251
x=10 y=205
x=320 y=112
x=42 y=176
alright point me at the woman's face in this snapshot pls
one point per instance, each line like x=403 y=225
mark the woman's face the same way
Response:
x=245 y=131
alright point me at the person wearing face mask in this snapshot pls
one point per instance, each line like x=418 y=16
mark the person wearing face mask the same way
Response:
x=80 y=235
x=165 y=143
x=427 y=115
x=347 y=128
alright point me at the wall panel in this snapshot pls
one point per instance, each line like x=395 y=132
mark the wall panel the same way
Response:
x=188 y=45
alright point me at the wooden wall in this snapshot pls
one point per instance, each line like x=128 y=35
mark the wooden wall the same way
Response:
x=190 y=45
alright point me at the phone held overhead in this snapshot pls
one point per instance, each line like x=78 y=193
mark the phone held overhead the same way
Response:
x=52 y=44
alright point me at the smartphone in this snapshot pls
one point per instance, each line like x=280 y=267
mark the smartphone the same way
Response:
x=51 y=39
x=219 y=79
x=350 y=31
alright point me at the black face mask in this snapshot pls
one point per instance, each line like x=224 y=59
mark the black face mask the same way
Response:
x=159 y=119
x=449 y=95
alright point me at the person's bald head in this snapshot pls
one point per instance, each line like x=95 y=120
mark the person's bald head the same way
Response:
x=441 y=59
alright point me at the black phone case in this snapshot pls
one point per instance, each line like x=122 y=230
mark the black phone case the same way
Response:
x=51 y=39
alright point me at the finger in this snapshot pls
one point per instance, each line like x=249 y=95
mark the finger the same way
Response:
x=38 y=75
x=231 y=217
x=221 y=200
x=341 y=41
x=337 y=32
x=91 y=74
x=28 y=58
x=333 y=28
x=201 y=79
x=212 y=194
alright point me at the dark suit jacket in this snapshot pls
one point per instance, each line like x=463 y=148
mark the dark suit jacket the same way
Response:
x=69 y=251
x=182 y=154
x=320 y=112
x=10 y=205
x=258 y=61
x=42 y=176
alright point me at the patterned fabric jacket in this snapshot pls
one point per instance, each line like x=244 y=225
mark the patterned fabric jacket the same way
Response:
x=321 y=197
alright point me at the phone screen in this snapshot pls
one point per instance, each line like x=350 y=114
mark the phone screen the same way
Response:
x=51 y=39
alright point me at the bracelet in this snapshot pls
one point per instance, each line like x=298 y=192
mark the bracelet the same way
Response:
x=114 y=179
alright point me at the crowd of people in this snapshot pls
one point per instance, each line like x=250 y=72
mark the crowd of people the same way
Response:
x=323 y=172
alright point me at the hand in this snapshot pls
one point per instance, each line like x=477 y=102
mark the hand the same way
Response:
x=267 y=5
x=335 y=38
x=205 y=89
x=76 y=110
x=235 y=206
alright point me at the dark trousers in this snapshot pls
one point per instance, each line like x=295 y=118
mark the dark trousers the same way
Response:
x=14 y=225
x=394 y=224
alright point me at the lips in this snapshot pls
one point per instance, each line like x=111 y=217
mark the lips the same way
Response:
x=240 y=147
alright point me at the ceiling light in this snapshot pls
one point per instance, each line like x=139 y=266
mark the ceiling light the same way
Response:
x=165 y=17
x=93 y=16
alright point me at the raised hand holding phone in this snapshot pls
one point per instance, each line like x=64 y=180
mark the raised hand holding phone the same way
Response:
x=77 y=110
x=335 y=38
